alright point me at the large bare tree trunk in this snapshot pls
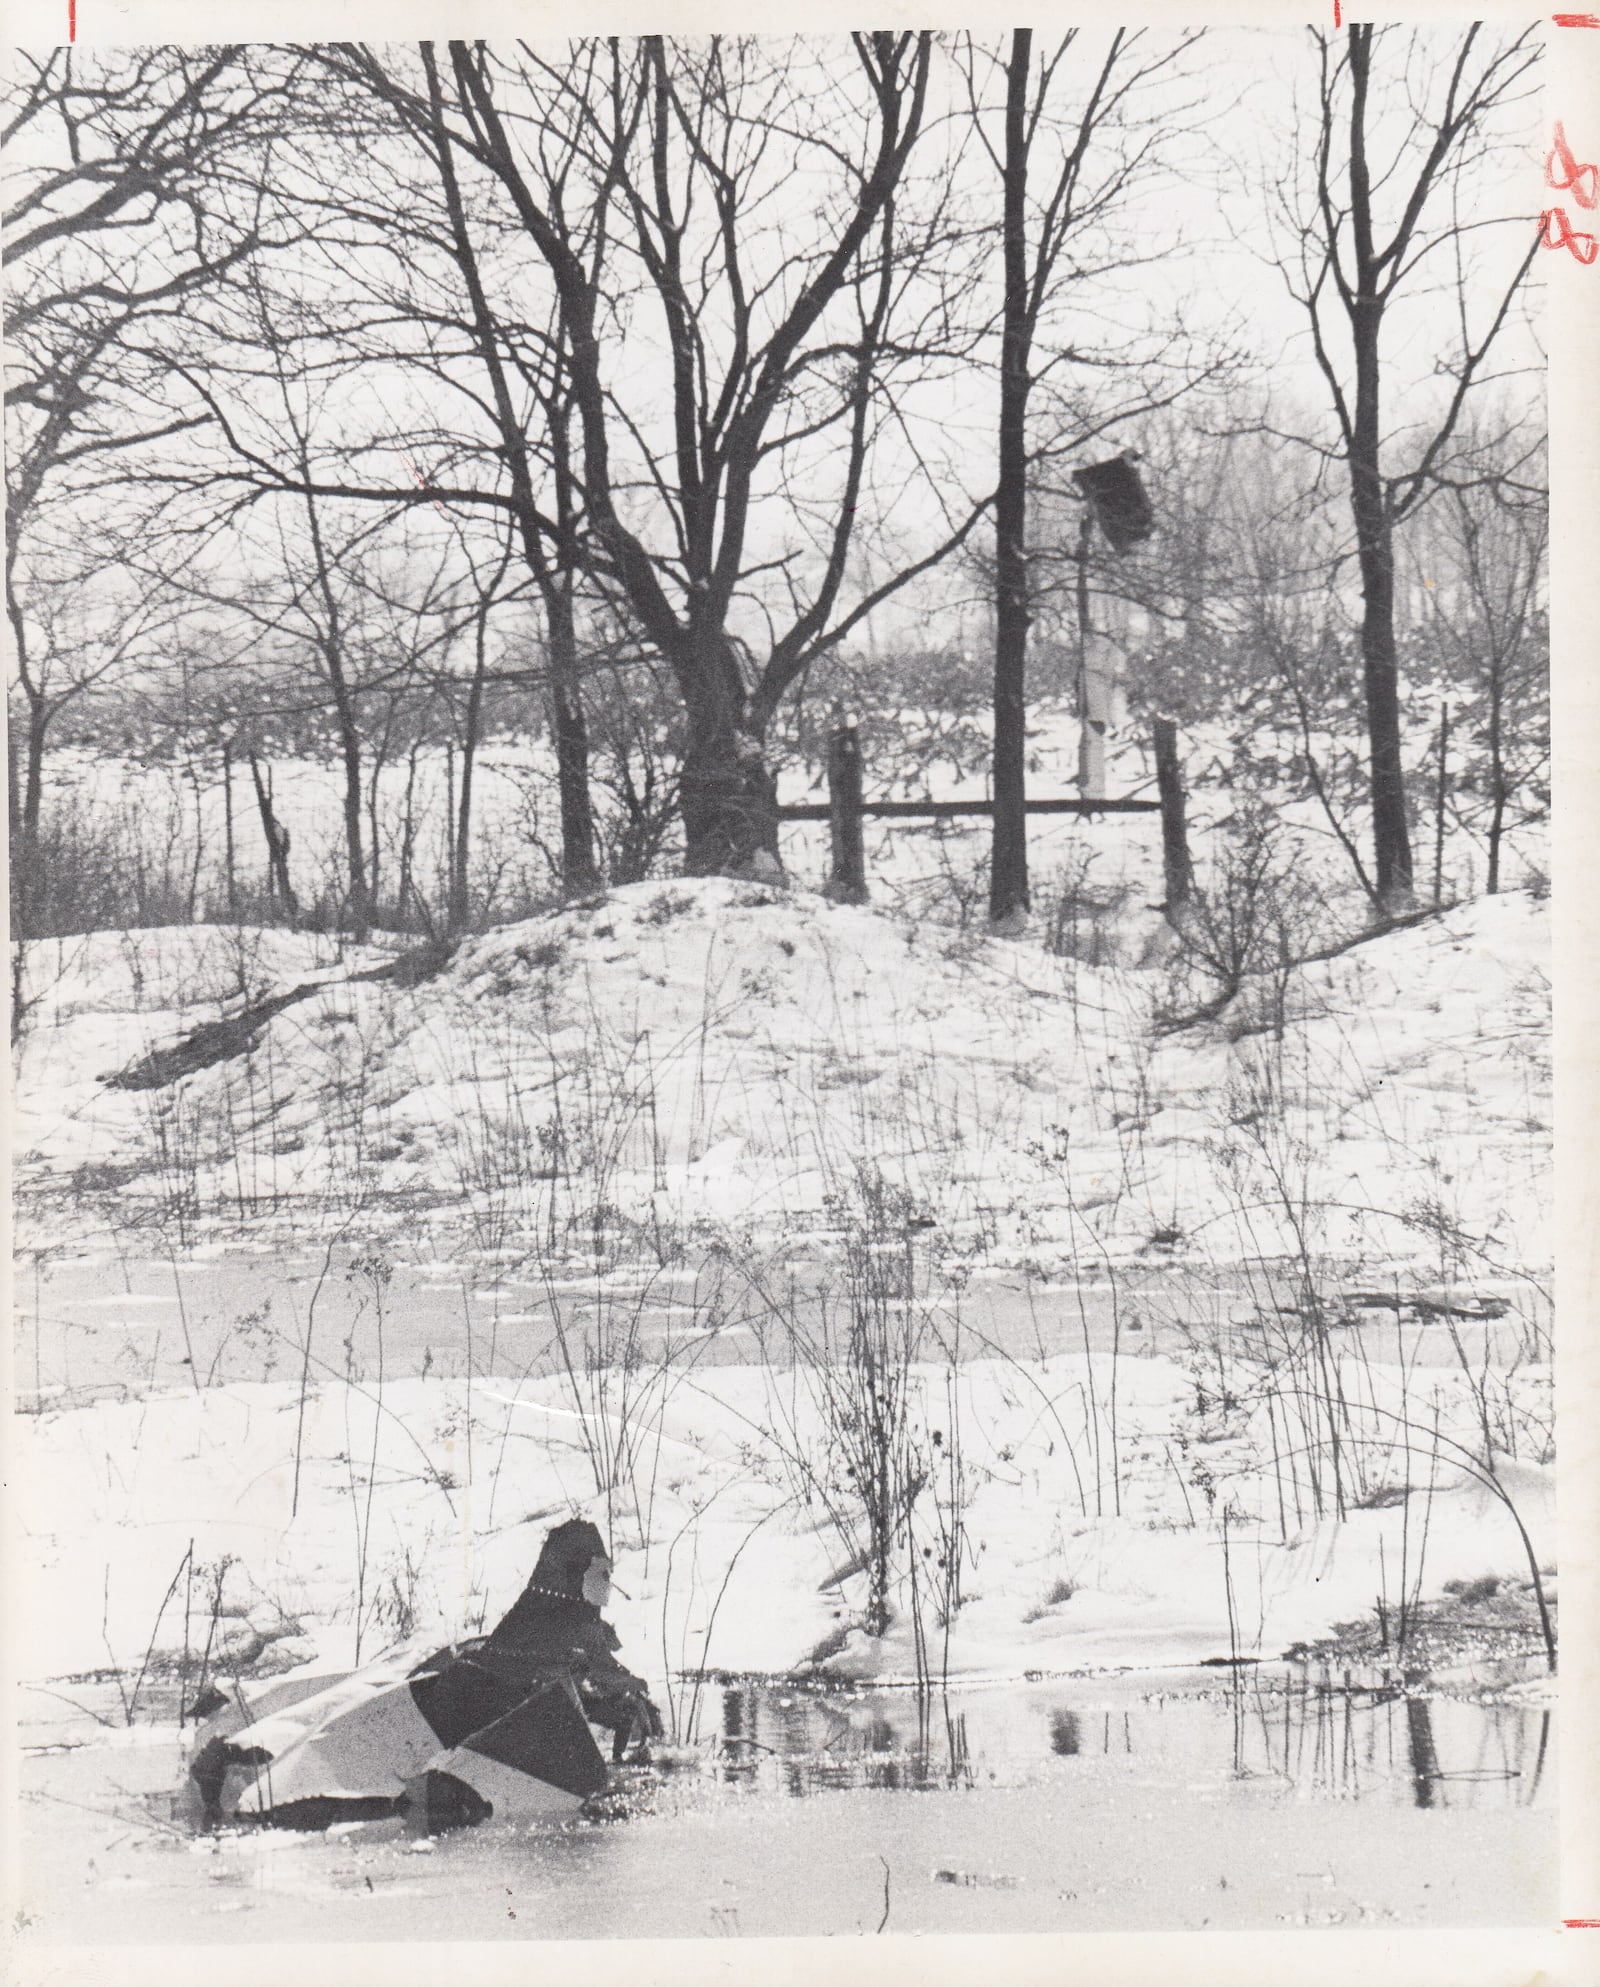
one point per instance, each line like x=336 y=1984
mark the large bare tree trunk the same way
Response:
x=727 y=795
x=730 y=807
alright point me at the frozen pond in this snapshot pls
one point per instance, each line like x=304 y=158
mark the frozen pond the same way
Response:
x=1067 y=1804
x=120 y=1323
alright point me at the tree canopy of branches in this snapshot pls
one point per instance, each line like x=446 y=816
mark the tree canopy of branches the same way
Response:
x=127 y=208
x=775 y=349
x=645 y=376
x=1383 y=212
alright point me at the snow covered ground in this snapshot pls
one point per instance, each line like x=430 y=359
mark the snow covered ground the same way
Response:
x=423 y=1503
x=884 y=1111
x=719 y=1053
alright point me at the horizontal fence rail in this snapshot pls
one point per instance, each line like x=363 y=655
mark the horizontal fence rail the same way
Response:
x=944 y=810
x=847 y=807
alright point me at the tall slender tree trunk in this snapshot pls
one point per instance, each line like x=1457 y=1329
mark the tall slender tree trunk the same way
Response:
x=1369 y=503
x=379 y=758
x=24 y=799
x=33 y=778
x=1380 y=668
x=453 y=869
x=1008 y=867
x=460 y=850
x=1499 y=786
x=354 y=842
x=19 y=899
x=229 y=851
x=408 y=837
x=26 y=814
x=579 y=870
x=331 y=646
x=277 y=840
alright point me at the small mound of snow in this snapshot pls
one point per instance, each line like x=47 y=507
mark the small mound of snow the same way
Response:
x=720 y=1051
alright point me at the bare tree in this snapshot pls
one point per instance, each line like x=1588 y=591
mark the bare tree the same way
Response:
x=769 y=350
x=544 y=365
x=1490 y=540
x=725 y=528
x=439 y=394
x=469 y=731
x=1098 y=154
x=88 y=626
x=122 y=204
x=1404 y=123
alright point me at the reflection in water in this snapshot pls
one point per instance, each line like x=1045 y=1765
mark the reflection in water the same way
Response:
x=1066 y=1804
x=1424 y=1759
x=1066 y=1733
x=1538 y=1765
x=1307 y=1739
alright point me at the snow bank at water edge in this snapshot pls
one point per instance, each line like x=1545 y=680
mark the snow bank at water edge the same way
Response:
x=330 y=1526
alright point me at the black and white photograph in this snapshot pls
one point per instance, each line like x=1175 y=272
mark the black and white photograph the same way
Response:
x=782 y=805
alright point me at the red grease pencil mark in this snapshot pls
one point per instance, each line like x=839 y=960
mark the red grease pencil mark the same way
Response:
x=1563 y=172
x=1582 y=1924
x=422 y=483
x=1336 y=21
x=72 y=20
x=1556 y=231
x=1577 y=21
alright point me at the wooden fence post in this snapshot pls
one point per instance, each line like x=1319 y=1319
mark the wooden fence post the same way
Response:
x=847 y=878
x=1442 y=796
x=1176 y=865
x=227 y=826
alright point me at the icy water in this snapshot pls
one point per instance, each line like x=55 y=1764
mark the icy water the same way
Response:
x=103 y=1322
x=1051 y=1805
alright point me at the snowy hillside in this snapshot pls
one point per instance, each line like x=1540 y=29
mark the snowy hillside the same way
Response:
x=863 y=1122
x=708 y=1052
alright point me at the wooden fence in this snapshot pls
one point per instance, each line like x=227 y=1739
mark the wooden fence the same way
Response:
x=846 y=808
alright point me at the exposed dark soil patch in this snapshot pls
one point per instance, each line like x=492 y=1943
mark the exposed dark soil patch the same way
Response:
x=236 y=1034
x=212 y=1042
x=1481 y=1635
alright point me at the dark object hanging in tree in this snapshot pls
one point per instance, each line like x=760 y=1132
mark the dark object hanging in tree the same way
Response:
x=1117 y=498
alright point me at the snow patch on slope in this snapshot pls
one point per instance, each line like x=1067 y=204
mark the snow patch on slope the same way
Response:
x=712 y=1053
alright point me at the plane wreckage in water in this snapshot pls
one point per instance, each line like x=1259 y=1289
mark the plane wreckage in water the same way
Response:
x=500 y=1725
